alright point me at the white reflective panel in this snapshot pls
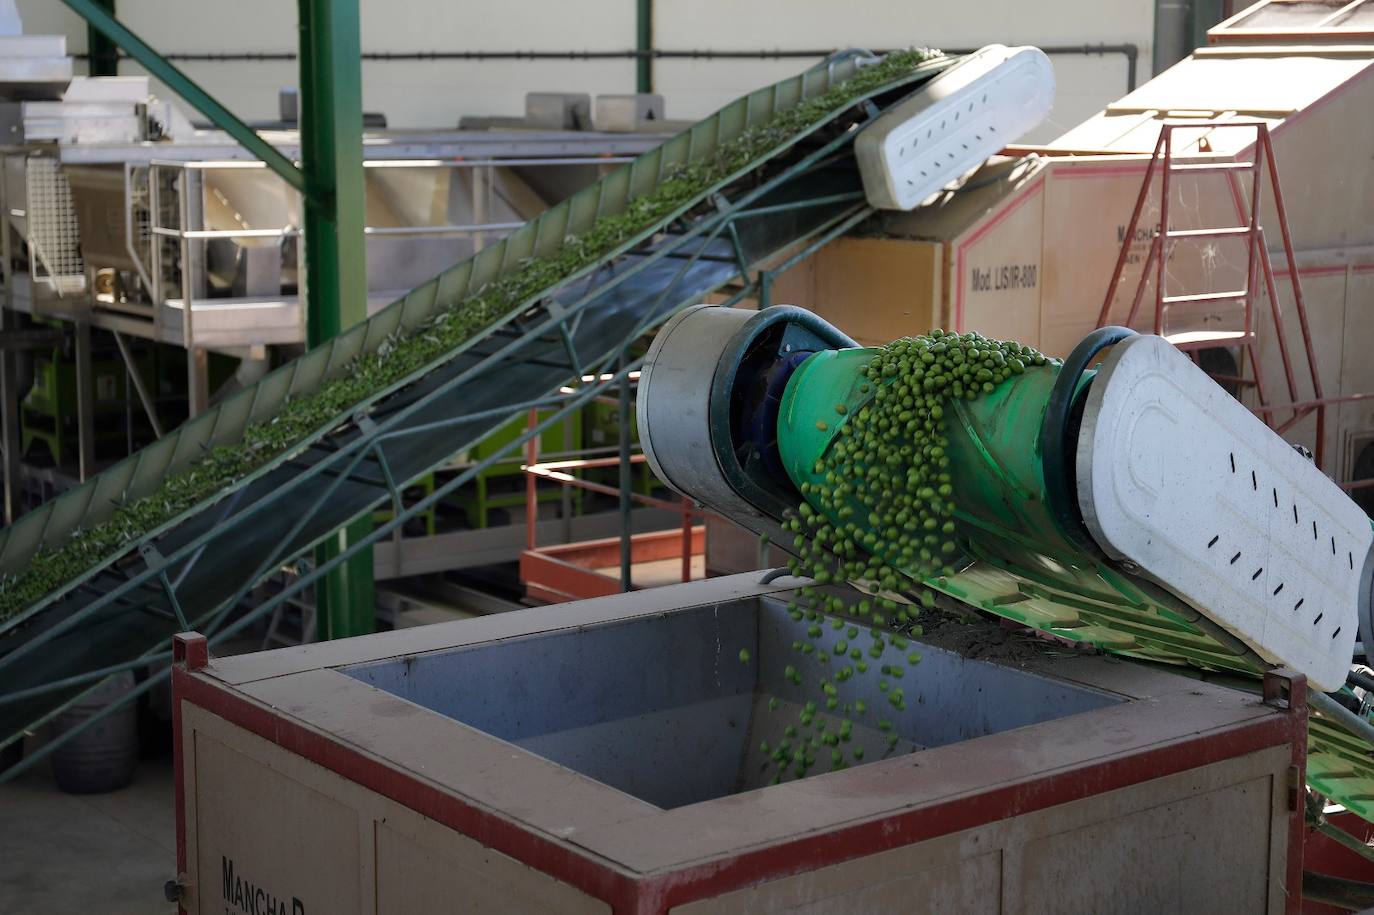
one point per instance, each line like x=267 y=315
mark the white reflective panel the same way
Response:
x=953 y=123
x=1181 y=479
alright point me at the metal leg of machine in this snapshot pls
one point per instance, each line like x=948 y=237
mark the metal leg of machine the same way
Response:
x=9 y=396
x=623 y=422
x=136 y=379
x=85 y=406
x=9 y=421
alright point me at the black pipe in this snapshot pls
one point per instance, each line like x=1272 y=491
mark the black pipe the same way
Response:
x=1337 y=891
x=1056 y=450
x=1129 y=50
x=1361 y=679
x=644 y=41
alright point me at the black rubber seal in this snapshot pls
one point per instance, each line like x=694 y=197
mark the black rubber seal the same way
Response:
x=1057 y=452
x=744 y=363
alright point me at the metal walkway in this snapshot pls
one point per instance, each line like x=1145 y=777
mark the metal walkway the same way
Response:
x=121 y=612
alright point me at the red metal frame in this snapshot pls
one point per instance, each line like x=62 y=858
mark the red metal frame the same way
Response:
x=1258 y=267
x=576 y=571
x=557 y=472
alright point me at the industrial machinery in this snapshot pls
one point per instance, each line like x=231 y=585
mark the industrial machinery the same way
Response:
x=1135 y=506
x=1073 y=516
x=583 y=282
x=612 y=754
x=125 y=218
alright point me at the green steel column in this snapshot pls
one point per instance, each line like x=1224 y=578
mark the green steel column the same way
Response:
x=644 y=43
x=104 y=59
x=331 y=116
x=331 y=101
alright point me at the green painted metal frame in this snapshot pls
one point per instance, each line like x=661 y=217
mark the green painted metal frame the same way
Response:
x=548 y=233
x=331 y=128
x=562 y=405
x=1340 y=763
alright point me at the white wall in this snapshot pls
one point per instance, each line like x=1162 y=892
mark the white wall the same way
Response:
x=431 y=94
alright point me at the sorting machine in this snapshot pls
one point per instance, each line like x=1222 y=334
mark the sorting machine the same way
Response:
x=1136 y=506
x=797 y=192
x=1120 y=498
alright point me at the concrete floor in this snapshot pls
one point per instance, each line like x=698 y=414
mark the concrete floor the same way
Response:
x=66 y=853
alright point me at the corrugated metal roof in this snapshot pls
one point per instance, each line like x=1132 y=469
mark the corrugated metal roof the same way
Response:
x=1322 y=20
x=1258 y=85
x=1269 y=86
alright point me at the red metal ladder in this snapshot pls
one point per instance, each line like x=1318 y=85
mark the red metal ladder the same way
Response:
x=1258 y=267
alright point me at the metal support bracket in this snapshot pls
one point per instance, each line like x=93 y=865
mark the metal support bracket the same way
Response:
x=158 y=564
x=136 y=380
x=1284 y=689
x=557 y=310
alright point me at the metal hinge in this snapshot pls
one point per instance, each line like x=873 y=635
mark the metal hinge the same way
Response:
x=1295 y=789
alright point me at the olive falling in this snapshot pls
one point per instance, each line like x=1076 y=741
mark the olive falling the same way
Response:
x=879 y=513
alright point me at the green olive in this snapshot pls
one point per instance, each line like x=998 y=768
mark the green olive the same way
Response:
x=879 y=507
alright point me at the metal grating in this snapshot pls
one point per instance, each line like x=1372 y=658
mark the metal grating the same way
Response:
x=54 y=240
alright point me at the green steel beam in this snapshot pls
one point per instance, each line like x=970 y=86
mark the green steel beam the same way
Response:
x=644 y=44
x=332 y=157
x=101 y=20
x=335 y=257
x=104 y=55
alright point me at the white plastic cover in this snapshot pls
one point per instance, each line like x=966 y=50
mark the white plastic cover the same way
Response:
x=952 y=123
x=1178 y=477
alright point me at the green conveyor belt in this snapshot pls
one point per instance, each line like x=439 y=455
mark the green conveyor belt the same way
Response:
x=1340 y=764
x=104 y=574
